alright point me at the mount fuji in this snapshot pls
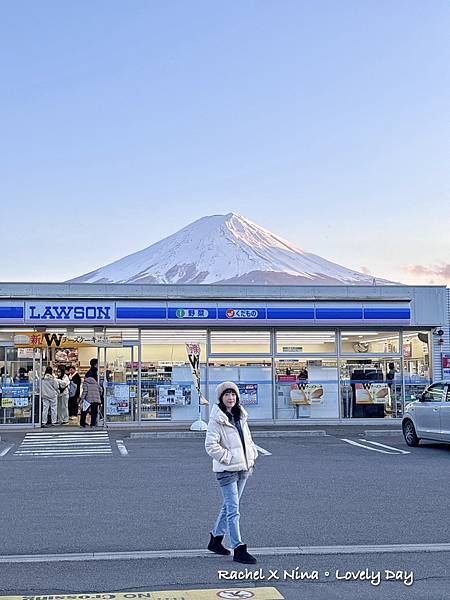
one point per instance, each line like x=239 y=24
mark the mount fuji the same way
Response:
x=226 y=249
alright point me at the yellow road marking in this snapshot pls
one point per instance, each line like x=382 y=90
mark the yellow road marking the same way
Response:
x=260 y=593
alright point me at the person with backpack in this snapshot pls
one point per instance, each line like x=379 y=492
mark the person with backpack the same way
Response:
x=63 y=395
x=74 y=392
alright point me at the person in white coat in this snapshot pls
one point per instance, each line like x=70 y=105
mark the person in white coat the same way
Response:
x=49 y=395
x=63 y=395
x=230 y=445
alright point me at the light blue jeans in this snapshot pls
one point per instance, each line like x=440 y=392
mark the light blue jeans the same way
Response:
x=228 y=518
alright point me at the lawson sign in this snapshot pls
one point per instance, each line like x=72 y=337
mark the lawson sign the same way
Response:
x=63 y=312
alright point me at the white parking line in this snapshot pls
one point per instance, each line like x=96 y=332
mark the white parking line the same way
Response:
x=383 y=446
x=265 y=452
x=6 y=450
x=122 y=448
x=366 y=447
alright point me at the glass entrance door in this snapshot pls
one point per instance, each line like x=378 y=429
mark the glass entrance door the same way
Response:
x=120 y=377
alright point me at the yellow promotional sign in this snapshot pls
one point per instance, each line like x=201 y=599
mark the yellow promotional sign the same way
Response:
x=7 y=402
x=260 y=593
x=38 y=339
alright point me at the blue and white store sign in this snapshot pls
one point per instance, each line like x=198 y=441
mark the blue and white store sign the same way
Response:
x=68 y=312
x=237 y=313
x=194 y=313
x=159 y=312
x=11 y=312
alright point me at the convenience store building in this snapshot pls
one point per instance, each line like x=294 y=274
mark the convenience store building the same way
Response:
x=297 y=352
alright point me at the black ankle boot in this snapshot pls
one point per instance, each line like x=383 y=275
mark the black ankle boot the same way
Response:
x=215 y=545
x=241 y=555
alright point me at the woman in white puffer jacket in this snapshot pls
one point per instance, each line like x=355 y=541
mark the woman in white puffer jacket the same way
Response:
x=230 y=445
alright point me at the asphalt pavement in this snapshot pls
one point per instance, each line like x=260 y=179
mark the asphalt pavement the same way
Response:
x=310 y=492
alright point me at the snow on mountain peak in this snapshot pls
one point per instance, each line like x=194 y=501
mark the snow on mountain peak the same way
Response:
x=227 y=249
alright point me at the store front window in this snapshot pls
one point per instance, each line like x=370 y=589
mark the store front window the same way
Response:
x=416 y=361
x=240 y=342
x=371 y=388
x=306 y=388
x=168 y=391
x=16 y=382
x=305 y=342
x=253 y=377
x=370 y=342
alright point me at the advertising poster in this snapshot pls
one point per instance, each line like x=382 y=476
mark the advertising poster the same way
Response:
x=372 y=393
x=446 y=366
x=314 y=391
x=248 y=393
x=306 y=393
x=66 y=355
x=15 y=396
x=117 y=399
x=174 y=395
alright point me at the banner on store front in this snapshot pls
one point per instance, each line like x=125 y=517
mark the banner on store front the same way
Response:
x=446 y=366
x=38 y=339
x=193 y=353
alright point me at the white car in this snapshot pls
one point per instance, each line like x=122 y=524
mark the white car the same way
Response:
x=428 y=417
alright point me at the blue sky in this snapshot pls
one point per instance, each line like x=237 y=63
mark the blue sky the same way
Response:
x=326 y=122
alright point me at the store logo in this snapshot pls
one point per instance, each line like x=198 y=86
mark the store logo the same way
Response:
x=68 y=313
x=192 y=313
x=241 y=313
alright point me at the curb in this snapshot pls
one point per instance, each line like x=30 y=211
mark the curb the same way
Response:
x=168 y=434
x=201 y=434
x=305 y=433
x=202 y=553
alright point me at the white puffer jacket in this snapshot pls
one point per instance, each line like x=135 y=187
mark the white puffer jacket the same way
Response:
x=223 y=443
x=50 y=387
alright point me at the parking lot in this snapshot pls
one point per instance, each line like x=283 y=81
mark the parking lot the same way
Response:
x=345 y=501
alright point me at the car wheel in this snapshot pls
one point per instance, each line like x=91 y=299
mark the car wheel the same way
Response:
x=410 y=435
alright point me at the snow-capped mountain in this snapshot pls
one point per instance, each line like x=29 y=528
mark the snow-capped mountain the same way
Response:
x=225 y=249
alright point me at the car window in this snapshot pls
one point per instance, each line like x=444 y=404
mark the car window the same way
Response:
x=434 y=393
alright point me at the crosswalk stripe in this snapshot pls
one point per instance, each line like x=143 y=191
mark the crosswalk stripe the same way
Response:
x=68 y=443
x=58 y=452
x=65 y=433
x=65 y=443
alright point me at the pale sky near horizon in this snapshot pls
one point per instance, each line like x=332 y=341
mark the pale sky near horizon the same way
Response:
x=325 y=122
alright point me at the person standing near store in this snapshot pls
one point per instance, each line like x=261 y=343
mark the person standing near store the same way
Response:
x=390 y=375
x=63 y=395
x=49 y=394
x=93 y=369
x=90 y=400
x=74 y=392
x=230 y=445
